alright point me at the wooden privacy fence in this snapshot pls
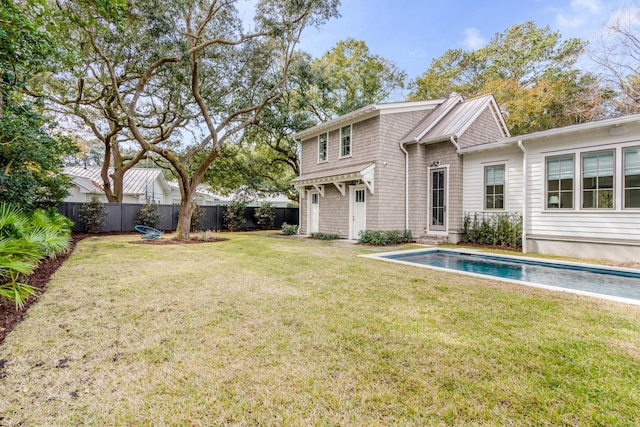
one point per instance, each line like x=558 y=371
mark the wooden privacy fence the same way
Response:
x=123 y=216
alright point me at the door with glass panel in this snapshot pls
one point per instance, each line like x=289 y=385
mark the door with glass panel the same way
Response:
x=358 y=211
x=313 y=215
x=438 y=214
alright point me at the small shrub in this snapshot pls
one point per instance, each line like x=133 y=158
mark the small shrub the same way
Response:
x=265 y=215
x=93 y=215
x=324 y=236
x=385 y=237
x=501 y=229
x=197 y=218
x=149 y=215
x=208 y=236
x=289 y=229
x=234 y=215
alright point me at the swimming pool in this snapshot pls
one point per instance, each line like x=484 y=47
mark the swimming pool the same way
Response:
x=619 y=284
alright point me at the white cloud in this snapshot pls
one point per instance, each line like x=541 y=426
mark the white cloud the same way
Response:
x=582 y=11
x=472 y=39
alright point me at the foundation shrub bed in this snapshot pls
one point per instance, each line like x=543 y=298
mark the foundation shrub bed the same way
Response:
x=289 y=229
x=385 y=237
x=500 y=229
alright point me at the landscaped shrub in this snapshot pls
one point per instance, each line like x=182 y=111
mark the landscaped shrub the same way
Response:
x=149 y=215
x=265 y=215
x=324 y=236
x=24 y=241
x=385 y=237
x=234 y=215
x=197 y=218
x=502 y=229
x=93 y=215
x=289 y=229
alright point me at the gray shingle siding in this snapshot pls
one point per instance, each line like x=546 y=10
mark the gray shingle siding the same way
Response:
x=482 y=131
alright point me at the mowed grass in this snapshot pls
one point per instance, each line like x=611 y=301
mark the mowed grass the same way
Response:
x=266 y=331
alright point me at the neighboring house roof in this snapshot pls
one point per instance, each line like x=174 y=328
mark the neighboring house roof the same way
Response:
x=453 y=117
x=86 y=185
x=613 y=123
x=136 y=180
x=368 y=112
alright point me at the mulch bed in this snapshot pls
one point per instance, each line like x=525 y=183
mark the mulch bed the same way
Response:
x=10 y=316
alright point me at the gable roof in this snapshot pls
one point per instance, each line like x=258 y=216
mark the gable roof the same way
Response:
x=453 y=117
x=368 y=112
x=135 y=182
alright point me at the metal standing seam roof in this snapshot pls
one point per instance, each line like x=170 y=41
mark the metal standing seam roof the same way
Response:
x=136 y=180
x=432 y=119
x=333 y=173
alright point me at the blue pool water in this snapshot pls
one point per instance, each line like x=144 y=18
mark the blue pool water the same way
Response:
x=604 y=281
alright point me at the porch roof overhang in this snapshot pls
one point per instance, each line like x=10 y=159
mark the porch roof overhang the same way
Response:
x=338 y=177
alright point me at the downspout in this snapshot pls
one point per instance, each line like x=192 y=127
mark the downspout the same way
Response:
x=406 y=185
x=455 y=144
x=524 y=196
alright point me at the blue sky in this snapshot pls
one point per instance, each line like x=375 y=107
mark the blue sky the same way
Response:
x=413 y=32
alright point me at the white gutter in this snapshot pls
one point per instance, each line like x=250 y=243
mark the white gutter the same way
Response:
x=406 y=185
x=524 y=196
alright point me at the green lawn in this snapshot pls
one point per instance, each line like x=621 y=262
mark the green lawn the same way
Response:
x=273 y=331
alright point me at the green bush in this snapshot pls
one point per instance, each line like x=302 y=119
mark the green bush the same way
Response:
x=500 y=229
x=324 y=236
x=385 y=237
x=289 y=229
x=234 y=215
x=24 y=241
x=265 y=215
x=93 y=215
x=149 y=215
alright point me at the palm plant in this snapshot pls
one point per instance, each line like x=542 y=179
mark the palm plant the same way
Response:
x=24 y=241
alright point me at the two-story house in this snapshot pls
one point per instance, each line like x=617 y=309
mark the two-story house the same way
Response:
x=393 y=166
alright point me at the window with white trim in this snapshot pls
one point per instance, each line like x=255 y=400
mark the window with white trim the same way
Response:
x=560 y=182
x=322 y=147
x=494 y=187
x=597 y=180
x=632 y=177
x=345 y=141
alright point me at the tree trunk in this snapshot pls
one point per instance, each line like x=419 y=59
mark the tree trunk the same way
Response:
x=187 y=207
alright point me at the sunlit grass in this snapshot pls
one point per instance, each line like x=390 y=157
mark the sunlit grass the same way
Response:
x=277 y=331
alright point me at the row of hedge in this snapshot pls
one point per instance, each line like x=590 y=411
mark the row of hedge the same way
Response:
x=503 y=229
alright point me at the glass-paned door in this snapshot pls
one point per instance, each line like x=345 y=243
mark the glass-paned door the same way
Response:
x=438 y=219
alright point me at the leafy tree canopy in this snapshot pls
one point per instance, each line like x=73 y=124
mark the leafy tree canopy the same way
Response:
x=531 y=72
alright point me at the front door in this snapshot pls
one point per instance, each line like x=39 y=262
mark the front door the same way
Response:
x=358 y=211
x=313 y=215
x=438 y=220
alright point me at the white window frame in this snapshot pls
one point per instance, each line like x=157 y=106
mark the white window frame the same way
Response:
x=326 y=148
x=614 y=178
x=546 y=184
x=624 y=176
x=341 y=145
x=504 y=188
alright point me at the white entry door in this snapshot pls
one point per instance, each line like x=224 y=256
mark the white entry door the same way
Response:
x=313 y=213
x=358 y=211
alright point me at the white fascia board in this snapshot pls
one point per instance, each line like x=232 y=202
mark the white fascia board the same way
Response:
x=366 y=113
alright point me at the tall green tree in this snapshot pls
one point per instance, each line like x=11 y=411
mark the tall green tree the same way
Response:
x=193 y=79
x=345 y=78
x=30 y=152
x=532 y=73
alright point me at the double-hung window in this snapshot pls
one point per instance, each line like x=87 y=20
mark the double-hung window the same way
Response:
x=322 y=147
x=345 y=141
x=560 y=182
x=597 y=180
x=494 y=187
x=632 y=177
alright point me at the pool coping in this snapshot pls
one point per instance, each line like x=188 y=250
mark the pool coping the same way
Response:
x=382 y=256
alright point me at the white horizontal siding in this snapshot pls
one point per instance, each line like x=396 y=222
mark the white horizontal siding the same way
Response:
x=473 y=188
x=615 y=224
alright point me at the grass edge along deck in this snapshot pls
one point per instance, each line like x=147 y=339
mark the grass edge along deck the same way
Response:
x=396 y=257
